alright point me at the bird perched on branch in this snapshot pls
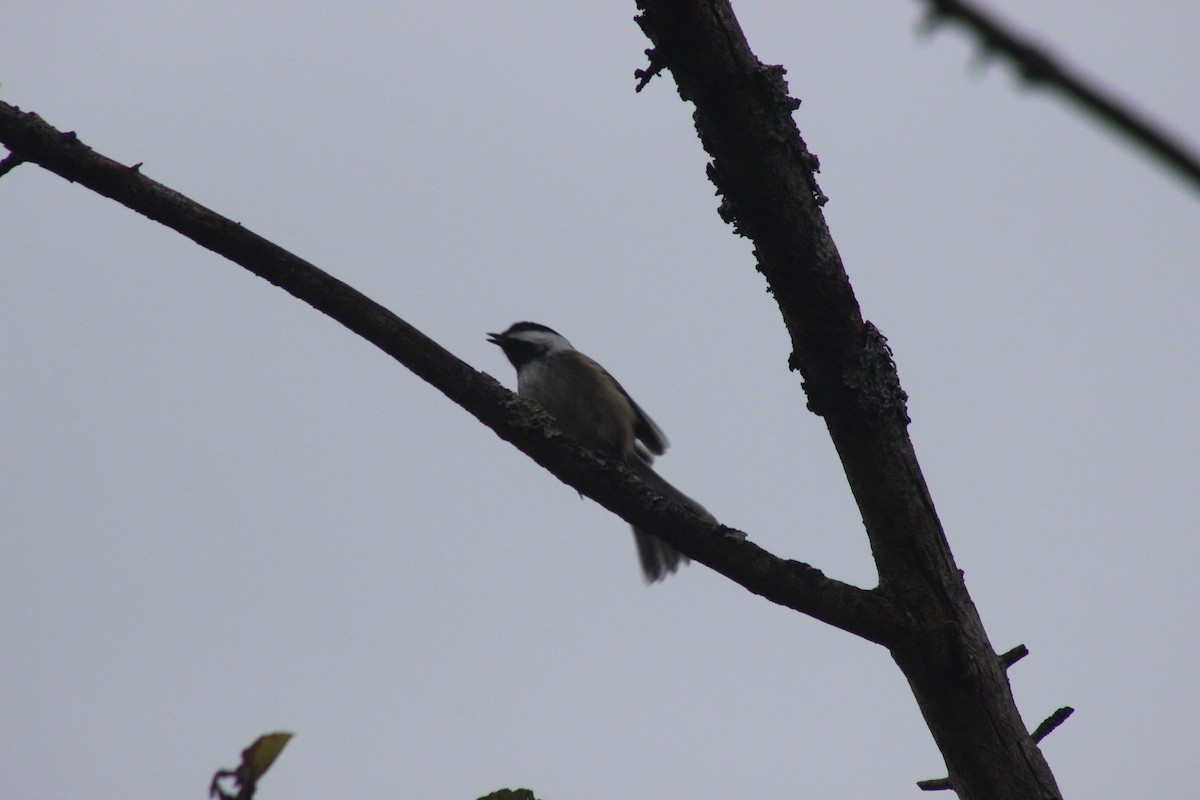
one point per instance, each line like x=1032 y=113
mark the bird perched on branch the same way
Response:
x=594 y=410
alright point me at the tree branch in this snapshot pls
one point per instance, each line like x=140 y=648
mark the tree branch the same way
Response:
x=1014 y=655
x=1051 y=722
x=935 y=785
x=1037 y=67
x=789 y=583
x=764 y=172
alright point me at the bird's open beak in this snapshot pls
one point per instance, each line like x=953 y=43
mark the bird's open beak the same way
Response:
x=496 y=338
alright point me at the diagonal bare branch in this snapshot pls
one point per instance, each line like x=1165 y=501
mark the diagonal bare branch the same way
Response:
x=1038 y=67
x=795 y=585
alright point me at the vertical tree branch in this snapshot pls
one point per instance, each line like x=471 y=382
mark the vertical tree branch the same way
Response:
x=765 y=175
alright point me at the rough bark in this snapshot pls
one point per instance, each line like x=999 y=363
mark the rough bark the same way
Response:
x=765 y=175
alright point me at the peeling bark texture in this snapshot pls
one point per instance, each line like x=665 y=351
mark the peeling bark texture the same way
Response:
x=765 y=175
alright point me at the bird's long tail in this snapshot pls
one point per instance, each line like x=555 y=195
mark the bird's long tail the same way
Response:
x=658 y=558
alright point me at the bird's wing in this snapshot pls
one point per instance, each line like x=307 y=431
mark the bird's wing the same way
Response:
x=644 y=428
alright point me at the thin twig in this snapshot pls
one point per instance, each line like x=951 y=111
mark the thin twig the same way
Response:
x=1014 y=655
x=653 y=68
x=1051 y=722
x=936 y=785
x=1036 y=66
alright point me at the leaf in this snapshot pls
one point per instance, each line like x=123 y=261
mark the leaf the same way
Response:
x=258 y=757
x=256 y=760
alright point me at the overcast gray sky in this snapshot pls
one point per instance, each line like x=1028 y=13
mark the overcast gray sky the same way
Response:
x=222 y=514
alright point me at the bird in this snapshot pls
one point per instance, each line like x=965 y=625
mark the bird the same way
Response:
x=592 y=408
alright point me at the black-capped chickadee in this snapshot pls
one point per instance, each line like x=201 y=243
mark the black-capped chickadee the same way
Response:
x=594 y=410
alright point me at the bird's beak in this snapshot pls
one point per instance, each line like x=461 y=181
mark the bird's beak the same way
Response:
x=496 y=338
